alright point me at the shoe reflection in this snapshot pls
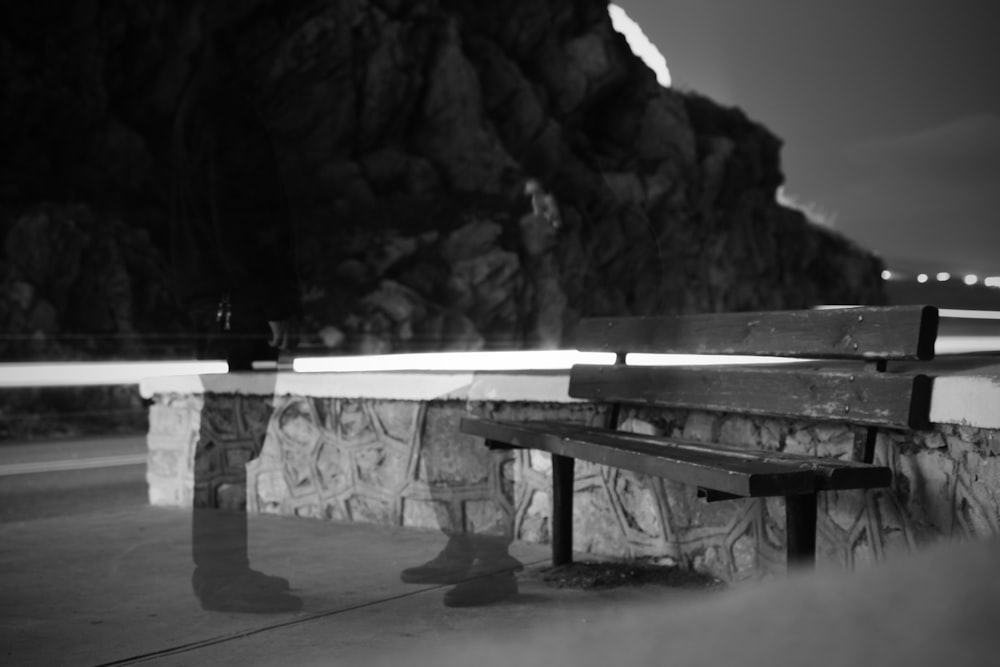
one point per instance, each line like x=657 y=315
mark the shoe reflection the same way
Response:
x=223 y=579
x=245 y=591
x=480 y=566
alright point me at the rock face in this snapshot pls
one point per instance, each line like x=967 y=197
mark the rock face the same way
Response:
x=406 y=132
x=79 y=286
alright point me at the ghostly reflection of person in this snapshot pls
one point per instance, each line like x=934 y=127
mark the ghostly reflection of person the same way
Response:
x=479 y=562
x=233 y=269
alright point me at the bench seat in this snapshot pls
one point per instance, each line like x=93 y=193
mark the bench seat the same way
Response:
x=730 y=470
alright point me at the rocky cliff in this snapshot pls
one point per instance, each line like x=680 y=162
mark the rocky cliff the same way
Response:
x=406 y=131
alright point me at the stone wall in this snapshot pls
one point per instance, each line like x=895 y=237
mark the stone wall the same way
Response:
x=403 y=463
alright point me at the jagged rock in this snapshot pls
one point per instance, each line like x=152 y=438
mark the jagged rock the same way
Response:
x=405 y=133
x=467 y=242
x=74 y=285
x=45 y=250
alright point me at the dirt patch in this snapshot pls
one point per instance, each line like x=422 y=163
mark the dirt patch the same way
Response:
x=590 y=575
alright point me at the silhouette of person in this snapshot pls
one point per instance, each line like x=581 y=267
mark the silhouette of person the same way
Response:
x=233 y=269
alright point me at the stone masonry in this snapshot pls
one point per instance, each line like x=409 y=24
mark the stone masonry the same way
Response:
x=403 y=463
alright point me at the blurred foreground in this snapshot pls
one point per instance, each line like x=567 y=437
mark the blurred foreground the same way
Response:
x=938 y=608
x=113 y=587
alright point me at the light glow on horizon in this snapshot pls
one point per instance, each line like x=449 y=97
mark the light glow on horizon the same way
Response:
x=969 y=279
x=813 y=211
x=640 y=44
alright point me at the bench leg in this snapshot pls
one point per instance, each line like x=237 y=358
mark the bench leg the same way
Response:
x=562 y=509
x=800 y=521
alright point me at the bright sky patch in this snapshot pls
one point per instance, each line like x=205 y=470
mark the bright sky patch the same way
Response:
x=640 y=44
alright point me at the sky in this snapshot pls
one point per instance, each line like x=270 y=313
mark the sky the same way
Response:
x=889 y=111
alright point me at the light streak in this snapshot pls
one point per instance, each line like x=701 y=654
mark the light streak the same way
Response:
x=453 y=361
x=637 y=359
x=965 y=314
x=34 y=467
x=966 y=344
x=64 y=374
x=91 y=373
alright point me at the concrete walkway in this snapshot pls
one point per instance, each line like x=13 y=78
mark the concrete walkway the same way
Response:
x=113 y=588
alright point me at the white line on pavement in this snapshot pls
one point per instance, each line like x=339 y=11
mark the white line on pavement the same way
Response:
x=71 y=464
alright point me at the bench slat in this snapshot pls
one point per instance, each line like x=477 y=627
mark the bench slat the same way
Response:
x=831 y=474
x=796 y=391
x=714 y=470
x=892 y=333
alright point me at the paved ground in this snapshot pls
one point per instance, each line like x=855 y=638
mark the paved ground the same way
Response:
x=113 y=588
x=69 y=476
x=938 y=609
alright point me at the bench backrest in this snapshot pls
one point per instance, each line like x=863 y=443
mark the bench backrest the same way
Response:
x=888 y=333
x=838 y=390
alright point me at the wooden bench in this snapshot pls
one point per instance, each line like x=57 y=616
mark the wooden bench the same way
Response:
x=844 y=378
